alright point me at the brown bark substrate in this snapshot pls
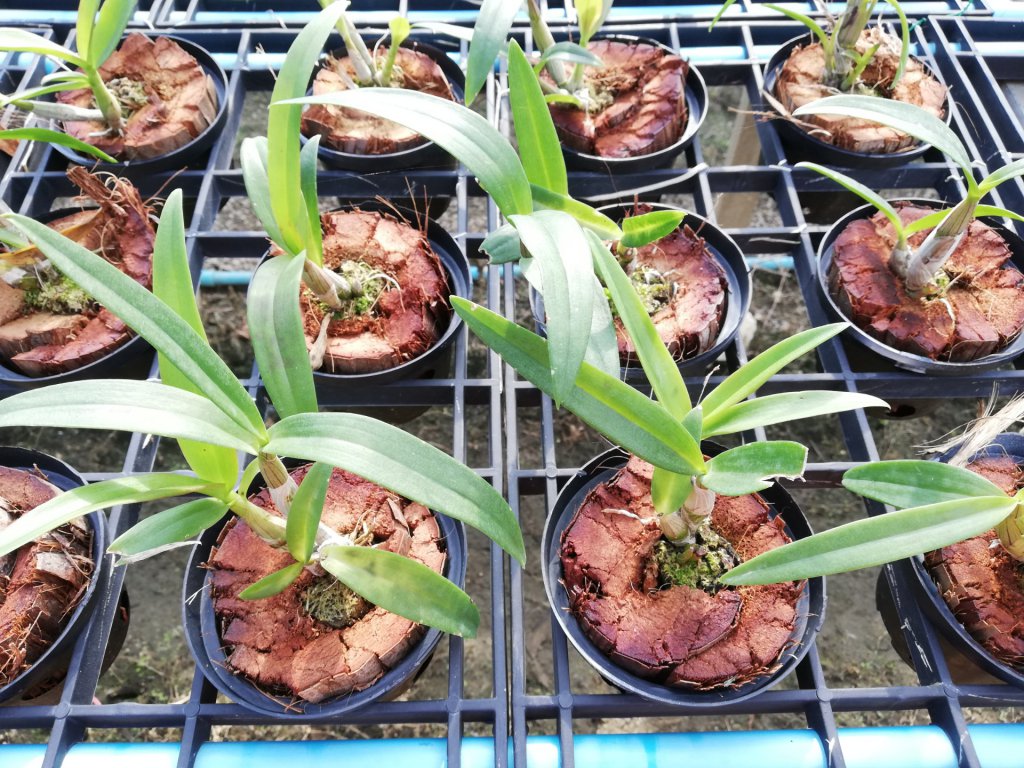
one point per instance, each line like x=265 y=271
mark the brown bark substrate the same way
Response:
x=355 y=132
x=690 y=321
x=42 y=582
x=180 y=100
x=982 y=583
x=647 y=110
x=800 y=82
x=983 y=308
x=43 y=343
x=404 y=323
x=680 y=636
x=274 y=642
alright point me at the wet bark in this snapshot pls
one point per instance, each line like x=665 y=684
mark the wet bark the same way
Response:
x=800 y=82
x=405 y=321
x=355 y=132
x=647 y=106
x=42 y=582
x=274 y=642
x=679 y=636
x=982 y=310
x=180 y=100
x=43 y=343
x=982 y=584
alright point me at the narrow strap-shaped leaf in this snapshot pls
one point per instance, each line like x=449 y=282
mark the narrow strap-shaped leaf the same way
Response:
x=1005 y=173
x=253 y=159
x=13 y=39
x=467 y=136
x=84 y=23
x=283 y=127
x=623 y=415
x=128 y=406
x=748 y=379
x=403 y=586
x=657 y=362
x=493 y=23
x=863 y=192
x=274 y=583
x=307 y=174
x=539 y=148
x=804 y=19
x=749 y=468
x=111 y=24
x=995 y=210
x=177 y=524
x=669 y=490
x=926 y=222
x=56 y=137
x=304 y=515
x=503 y=245
x=909 y=483
x=590 y=15
x=786 y=406
x=396 y=460
x=588 y=218
x=150 y=318
x=89 y=498
x=874 y=541
x=638 y=231
x=559 y=247
x=172 y=284
x=278 y=339
x=574 y=53
x=603 y=347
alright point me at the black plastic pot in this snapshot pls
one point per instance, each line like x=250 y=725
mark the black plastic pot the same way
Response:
x=810 y=610
x=696 y=94
x=800 y=145
x=907 y=360
x=52 y=666
x=139 y=170
x=202 y=633
x=729 y=257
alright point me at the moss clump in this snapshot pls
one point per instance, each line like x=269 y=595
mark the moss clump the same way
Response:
x=361 y=288
x=653 y=288
x=329 y=601
x=699 y=565
x=130 y=94
x=50 y=291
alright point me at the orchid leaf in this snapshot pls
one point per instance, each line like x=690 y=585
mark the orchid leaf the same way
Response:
x=539 y=148
x=106 y=35
x=307 y=183
x=307 y=507
x=257 y=185
x=786 y=406
x=863 y=192
x=274 y=583
x=750 y=468
x=1007 y=172
x=588 y=218
x=503 y=245
x=669 y=490
x=574 y=53
x=13 y=39
x=804 y=19
x=164 y=529
x=603 y=346
x=493 y=23
x=56 y=137
x=916 y=483
x=638 y=231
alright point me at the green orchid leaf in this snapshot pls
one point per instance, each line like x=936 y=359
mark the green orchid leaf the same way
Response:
x=563 y=98
x=590 y=15
x=106 y=35
x=165 y=529
x=748 y=379
x=749 y=468
x=404 y=464
x=1007 y=172
x=619 y=412
x=926 y=222
x=253 y=158
x=567 y=51
x=27 y=98
x=150 y=318
x=920 y=124
x=807 y=21
x=560 y=249
x=721 y=12
x=12 y=39
x=172 y=284
x=403 y=586
x=995 y=210
x=283 y=127
x=657 y=362
x=307 y=183
x=588 y=218
x=127 y=406
x=904 y=42
x=252 y=469
x=84 y=23
x=866 y=194
x=638 y=231
x=503 y=245
x=90 y=498
x=56 y=137
x=693 y=422
x=603 y=346
x=273 y=584
x=917 y=483
x=465 y=135
x=278 y=338
x=874 y=541
x=539 y=148
x=304 y=515
x=787 y=406
x=451 y=30
x=493 y=23
x=669 y=490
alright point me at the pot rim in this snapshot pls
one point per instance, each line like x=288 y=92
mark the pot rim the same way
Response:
x=908 y=360
x=810 y=612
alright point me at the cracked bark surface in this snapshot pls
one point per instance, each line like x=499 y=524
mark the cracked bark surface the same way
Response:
x=42 y=343
x=181 y=100
x=984 y=313
x=982 y=583
x=679 y=636
x=42 y=582
x=800 y=82
x=280 y=648
x=647 y=111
